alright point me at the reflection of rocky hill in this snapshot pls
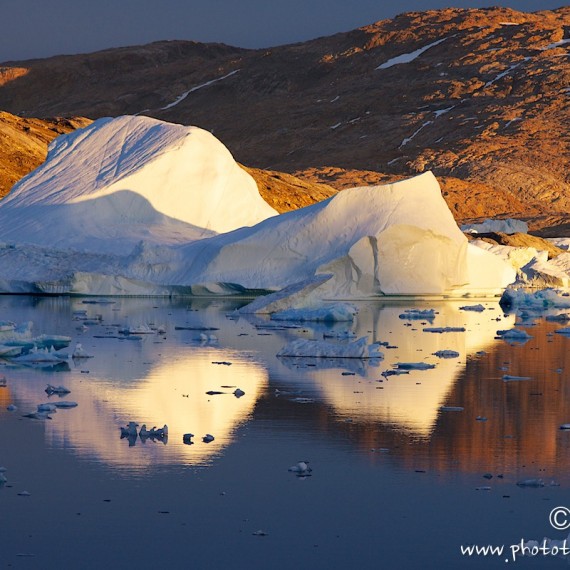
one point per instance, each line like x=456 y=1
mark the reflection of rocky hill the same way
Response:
x=484 y=105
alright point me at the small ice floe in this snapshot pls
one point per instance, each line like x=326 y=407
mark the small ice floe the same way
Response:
x=9 y=350
x=413 y=366
x=307 y=348
x=24 y=494
x=514 y=335
x=565 y=427
x=563 y=331
x=512 y=378
x=418 y=314
x=187 y=438
x=137 y=330
x=208 y=438
x=483 y=488
x=560 y=318
x=65 y=404
x=340 y=335
x=51 y=341
x=160 y=433
x=337 y=312
x=238 y=393
x=80 y=352
x=3 y=382
x=259 y=533
x=451 y=408
x=38 y=416
x=59 y=390
x=7 y=326
x=301 y=400
x=396 y=372
x=443 y=329
x=446 y=354
x=214 y=392
x=208 y=338
x=46 y=408
x=144 y=433
x=3 y=478
x=481 y=419
x=130 y=430
x=40 y=355
x=302 y=469
x=530 y=483
x=477 y=308
x=11 y=408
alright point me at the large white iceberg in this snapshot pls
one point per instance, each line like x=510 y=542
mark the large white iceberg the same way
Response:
x=137 y=206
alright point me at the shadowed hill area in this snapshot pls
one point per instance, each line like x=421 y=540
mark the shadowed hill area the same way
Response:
x=480 y=97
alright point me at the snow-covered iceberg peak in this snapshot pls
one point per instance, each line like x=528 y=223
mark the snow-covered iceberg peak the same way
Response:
x=132 y=177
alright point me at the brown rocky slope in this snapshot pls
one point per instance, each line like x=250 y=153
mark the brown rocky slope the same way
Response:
x=483 y=104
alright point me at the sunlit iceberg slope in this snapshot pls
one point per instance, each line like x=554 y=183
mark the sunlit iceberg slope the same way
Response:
x=136 y=206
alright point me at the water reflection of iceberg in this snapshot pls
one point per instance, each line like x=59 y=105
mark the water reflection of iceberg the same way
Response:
x=410 y=402
x=172 y=392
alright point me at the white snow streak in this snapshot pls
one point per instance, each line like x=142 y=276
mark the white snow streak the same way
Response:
x=557 y=44
x=184 y=95
x=408 y=57
x=506 y=72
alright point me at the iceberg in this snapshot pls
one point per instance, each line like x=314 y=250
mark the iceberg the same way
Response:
x=508 y=226
x=137 y=206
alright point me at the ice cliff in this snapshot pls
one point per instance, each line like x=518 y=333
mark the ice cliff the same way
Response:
x=133 y=205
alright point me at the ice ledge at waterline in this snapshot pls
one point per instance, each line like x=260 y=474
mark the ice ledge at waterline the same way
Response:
x=136 y=206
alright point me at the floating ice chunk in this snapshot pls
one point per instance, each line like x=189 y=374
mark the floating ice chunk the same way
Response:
x=338 y=312
x=47 y=408
x=560 y=318
x=531 y=483
x=238 y=393
x=508 y=226
x=187 y=438
x=59 y=390
x=451 y=408
x=3 y=381
x=302 y=469
x=160 y=433
x=39 y=355
x=340 y=335
x=477 y=308
x=511 y=378
x=543 y=299
x=3 y=478
x=565 y=427
x=11 y=408
x=130 y=430
x=514 y=335
x=259 y=533
x=563 y=331
x=414 y=366
x=64 y=404
x=443 y=329
x=322 y=349
x=38 y=416
x=396 y=372
x=418 y=314
x=80 y=352
x=208 y=438
x=446 y=353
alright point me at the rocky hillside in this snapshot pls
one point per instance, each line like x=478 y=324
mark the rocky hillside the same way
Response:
x=480 y=97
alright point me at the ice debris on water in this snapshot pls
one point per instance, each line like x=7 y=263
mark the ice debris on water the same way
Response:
x=238 y=393
x=302 y=469
x=3 y=478
x=530 y=483
x=59 y=390
x=413 y=366
x=443 y=329
x=451 y=408
x=511 y=378
x=418 y=314
x=307 y=348
x=514 y=335
x=446 y=353
x=476 y=308
x=337 y=312
x=208 y=438
x=187 y=438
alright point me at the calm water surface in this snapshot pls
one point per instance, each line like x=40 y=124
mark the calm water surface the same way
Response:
x=396 y=481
